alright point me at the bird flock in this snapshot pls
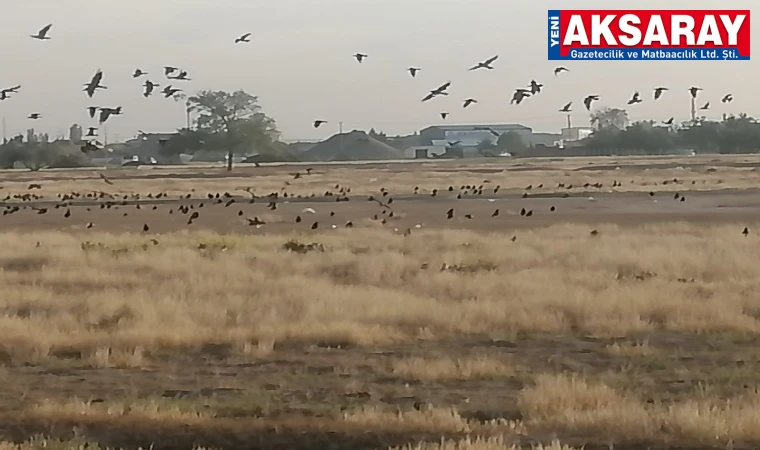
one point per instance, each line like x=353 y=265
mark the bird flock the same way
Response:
x=176 y=74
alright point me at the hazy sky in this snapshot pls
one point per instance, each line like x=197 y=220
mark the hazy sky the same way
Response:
x=300 y=65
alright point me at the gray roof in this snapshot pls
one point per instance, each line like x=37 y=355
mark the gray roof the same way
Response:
x=495 y=127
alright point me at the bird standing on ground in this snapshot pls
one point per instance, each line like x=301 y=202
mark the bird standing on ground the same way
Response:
x=42 y=34
x=485 y=64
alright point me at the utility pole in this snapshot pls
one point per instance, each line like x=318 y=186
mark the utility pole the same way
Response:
x=693 y=109
x=569 y=121
x=5 y=135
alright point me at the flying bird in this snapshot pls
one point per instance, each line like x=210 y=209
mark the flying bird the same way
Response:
x=413 y=71
x=559 y=70
x=535 y=88
x=468 y=102
x=317 y=123
x=360 y=56
x=42 y=34
x=168 y=70
x=566 y=108
x=587 y=101
x=94 y=83
x=669 y=121
x=485 y=64
x=243 y=38
x=92 y=110
x=138 y=73
x=444 y=115
x=169 y=91
x=519 y=95
x=635 y=99
x=35 y=116
x=694 y=90
x=658 y=92
x=107 y=181
x=728 y=98
x=440 y=90
x=105 y=113
x=182 y=76
x=92 y=131
x=11 y=90
x=149 y=86
x=705 y=106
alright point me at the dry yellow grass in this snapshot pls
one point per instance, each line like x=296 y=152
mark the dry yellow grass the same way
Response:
x=714 y=173
x=479 y=443
x=116 y=304
x=562 y=402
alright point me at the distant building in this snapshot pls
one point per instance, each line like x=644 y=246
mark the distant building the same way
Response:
x=575 y=133
x=472 y=135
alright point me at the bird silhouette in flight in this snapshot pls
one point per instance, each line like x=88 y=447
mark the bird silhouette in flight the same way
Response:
x=42 y=34
x=559 y=70
x=587 y=101
x=92 y=132
x=468 y=102
x=243 y=38
x=444 y=115
x=728 y=98
x=658 y=92
x=182 y=76
x=107 y=181
x=694 y=91
x=170 y=91
x=138 y=73
x=168 y=70
x=535 y=88
x=149 y=86
x=705 y=106
x=485 y=64
x=567 y=107
x=413 y=71
x=92 y=110
x=94 y=83
x=360 y=56
x=440 y=90
x=105 y=113
x=669 y=121
x=35 y=116
x=317 y=123
x=519 y=95
x=635 y=99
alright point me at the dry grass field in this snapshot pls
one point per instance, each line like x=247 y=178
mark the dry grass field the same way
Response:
x=628 y=320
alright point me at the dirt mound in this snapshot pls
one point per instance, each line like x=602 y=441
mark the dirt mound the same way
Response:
x=353 y=146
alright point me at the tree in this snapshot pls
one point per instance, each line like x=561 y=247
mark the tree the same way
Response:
x=511 y=142
x=235 y=121
x=609 y=117
x=486 y=147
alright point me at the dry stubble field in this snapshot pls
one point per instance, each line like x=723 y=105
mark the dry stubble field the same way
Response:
x=483 y=333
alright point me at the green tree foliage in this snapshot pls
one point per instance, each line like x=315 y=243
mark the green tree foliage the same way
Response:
x=735 y=134
x=230 y=121
x=606 y=118
x=37 y=152
x=511 y=142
